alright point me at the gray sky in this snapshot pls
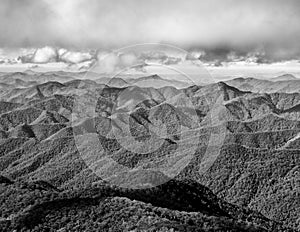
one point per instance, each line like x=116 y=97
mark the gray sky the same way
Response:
x=271 y=27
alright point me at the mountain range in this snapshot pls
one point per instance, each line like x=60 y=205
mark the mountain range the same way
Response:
x=228 y=154
x=286 y=83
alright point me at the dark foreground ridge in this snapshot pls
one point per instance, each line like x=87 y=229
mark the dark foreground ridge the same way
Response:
x=180 y=205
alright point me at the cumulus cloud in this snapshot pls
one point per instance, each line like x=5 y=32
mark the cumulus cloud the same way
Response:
x=40 y=55
x=45 y=55
x=50 y=54
x=239 y=26
x=172 y=60
x=134 y=59
x=113 y=61
x=74 y=57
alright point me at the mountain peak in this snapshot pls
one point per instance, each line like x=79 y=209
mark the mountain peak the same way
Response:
x=155 y=76
x=225 y=87
x=222 y=84
x=228 y=91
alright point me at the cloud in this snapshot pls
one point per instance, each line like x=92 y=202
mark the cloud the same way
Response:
x=129 y=59
x=220 y=25
x=108 y=62
x=45 y=55
x=74 y=57
x=171 y=61
x=218 y=56
x=50 y=55
x=160 y=57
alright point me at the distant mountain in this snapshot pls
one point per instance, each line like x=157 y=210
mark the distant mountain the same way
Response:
x=152 y=77
x=37 y=77
x=265 y=86
x=285 y=77
x=113 y=82
x=156 y=81
x=30 y=77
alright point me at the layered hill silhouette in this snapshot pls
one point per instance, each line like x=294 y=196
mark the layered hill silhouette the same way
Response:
x=143 y=82
x=242 y=145
x=286 y=84
x=285 y=77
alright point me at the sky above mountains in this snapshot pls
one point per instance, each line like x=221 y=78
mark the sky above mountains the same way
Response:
x=222 y=28
x=229 y=37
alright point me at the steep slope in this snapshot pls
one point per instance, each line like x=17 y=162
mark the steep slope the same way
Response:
x=22 y=131
x=19 y=116
x=263 y=179
x=47 y=117
x=8 y=106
